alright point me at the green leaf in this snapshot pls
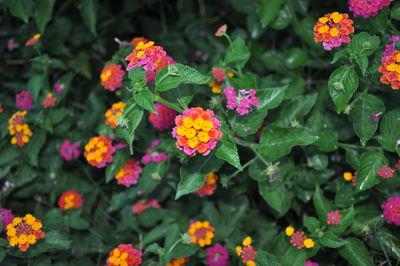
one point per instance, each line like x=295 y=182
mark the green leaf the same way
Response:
x=88 y=9
x=35 y=84
x=363 y=44
x=311 y=223
x=264 y=258
x=395 y=11
x=346 y=220
x=131 y=117
x=145 y=99
x=271 y=97
x=322 y=205
x=2 y=254
x=389 y=130
x=342 y=84
x=355 y=252
x=277 y=196
x=227 y=150
x=53 y=219
x=172 y=76
x=295 y=110
x=32 y=149
x=294 y=257
x=193 y=174
x=251 y=123
x=81 y=65
x=331 y=240
x=363 y=64
x=18 y=8
x=237 y=53
x=55 y=240
x=276 y=142
x=154 y=248
x=268 y=10
x=76 y=222
x=381 y=20
x=137 y=76
x=43 y=13
x=318 y=161
x=295 y=57
x=368 y=166
x=363 y=124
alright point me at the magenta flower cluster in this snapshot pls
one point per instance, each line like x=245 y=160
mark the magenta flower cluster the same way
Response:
x=23 y=100
x=391 y=210
x=367 y=8
x=164 y=118
x=243 y=102
x=6 y=217
x=58 y=88
x=217 y=255
x=69 y=150
x=152 y=155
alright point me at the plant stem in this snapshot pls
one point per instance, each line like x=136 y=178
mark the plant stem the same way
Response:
x=168 y=103
x=244 y=167
x=253 y=147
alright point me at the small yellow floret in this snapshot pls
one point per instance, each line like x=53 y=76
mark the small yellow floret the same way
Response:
x=289 y=230
x=308 y=243
x=347 y=176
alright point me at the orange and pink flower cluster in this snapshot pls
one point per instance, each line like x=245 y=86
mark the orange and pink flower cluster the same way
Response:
x=333 y=29
x=112 y=114
x=197 y=130
x=70 y=200
x=209 y=186
x=129 y=174
x=145 y=54
x=99 y=151
x=111 y=77
x=124 y=255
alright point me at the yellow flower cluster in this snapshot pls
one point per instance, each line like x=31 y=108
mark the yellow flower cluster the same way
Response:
x=18 y=129
x=189 y=130
x=247 y=252
x=24 y=231
x=202 y=233
x=119 y=258
x=114 y=113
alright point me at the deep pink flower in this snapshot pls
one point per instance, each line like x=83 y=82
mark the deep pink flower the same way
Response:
x=23 y=100
x=395 y=38
x=69 y=151
x=58 y=88
x=367 y=8
x=222 y=29
x=142 y=205
x=6 y=217
x=152 y=155
x=165 y=117
x=297 y=239
x=310 y=263
x=11 y=44
x=217 y=255
x=129 y=174
x=391 y=210
x=385 y=172
x=243 y=102
x=333 y=217
x=375 y=117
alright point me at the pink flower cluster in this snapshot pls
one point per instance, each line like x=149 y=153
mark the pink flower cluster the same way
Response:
x=153 y=156
x=58 y=88
x=69 y=151
x=23 y=100
x=391 y=210
x=367 y=8
x=217 y=255
x=165 y=117
x=6 y=217
x=310 y=263
x=129 y=174
x=242 y=102
x=142 y=205
x=385 y=172
x=333 y=217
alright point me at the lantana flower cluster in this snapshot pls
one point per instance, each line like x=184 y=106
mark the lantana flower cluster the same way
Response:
x=33 y=40
x=142 y=205
x=146 y=55
x=112 y=114
x=197 y=130
x=220 y=75
x=70 y=200
x=367 y=8
x=201 y=233
x=217 y=255
x=298 y=238
x=24 y=231
x=19 y=130
x=333 y=217
x=333 y=29
x=385 y=172
x=244 y=101
x=390 y=68
x=49 y=100
x=164 y=118
x=99 y=151
x=69 y=151
x=348 y=176
x=111 y=77
x=152 y=155
x=124 y=255
x=129 y=174
x=23 y=100
x=391 y=210
x=209 y=186
x=247 y=252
